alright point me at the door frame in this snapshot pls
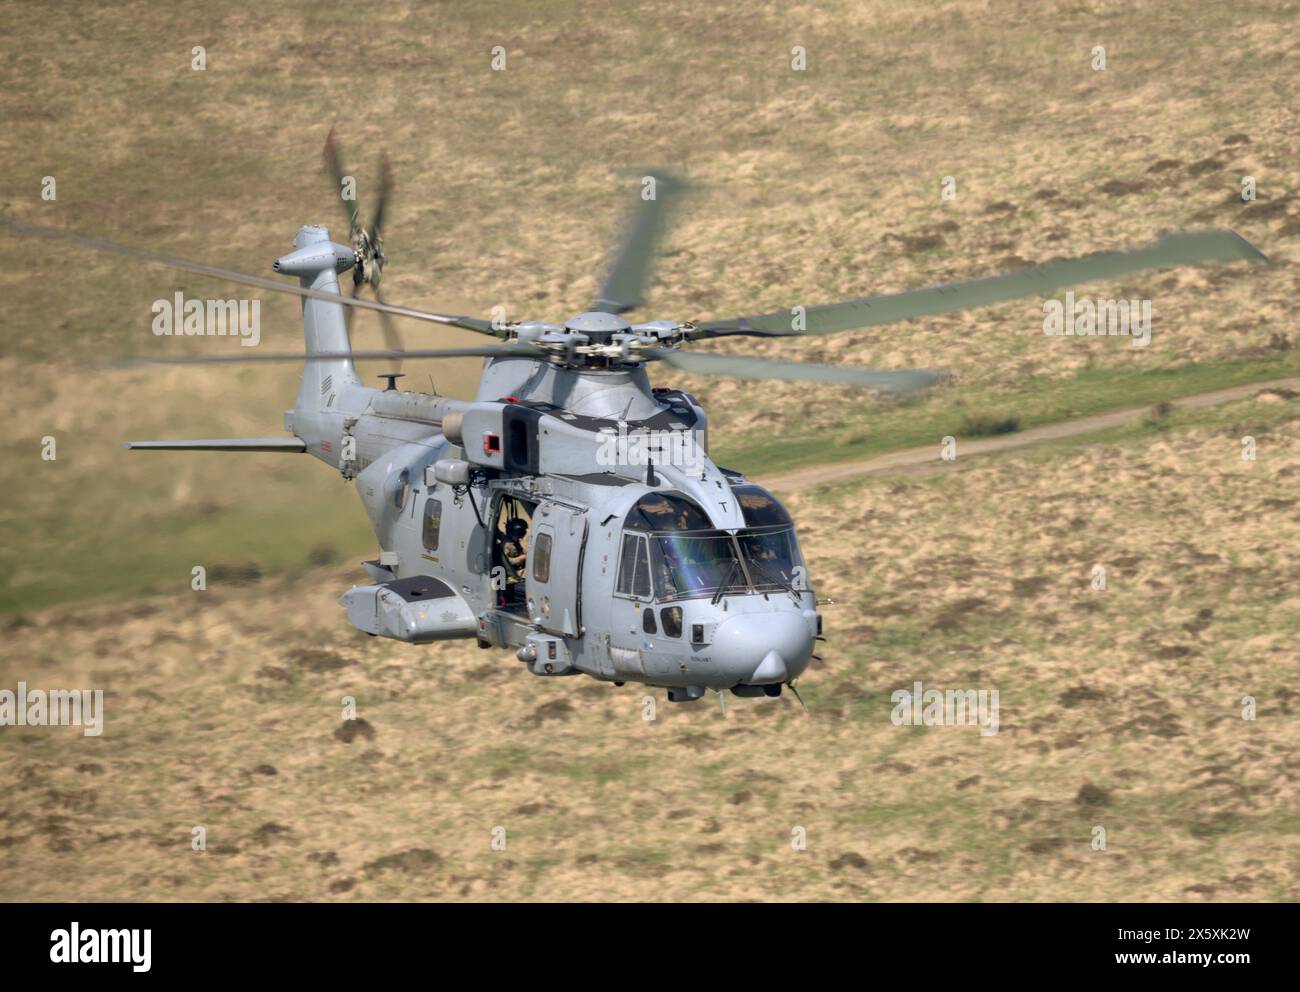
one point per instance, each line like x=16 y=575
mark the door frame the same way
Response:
x=544 y=517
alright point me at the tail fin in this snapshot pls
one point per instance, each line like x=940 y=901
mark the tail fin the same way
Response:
x=317 y=261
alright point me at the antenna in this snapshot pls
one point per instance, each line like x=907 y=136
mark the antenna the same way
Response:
x=797 y=696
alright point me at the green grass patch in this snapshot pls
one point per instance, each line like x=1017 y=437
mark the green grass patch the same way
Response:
x=880 y=430
x=987 y=425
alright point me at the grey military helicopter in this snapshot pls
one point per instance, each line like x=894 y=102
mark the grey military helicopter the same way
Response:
x=570 y=512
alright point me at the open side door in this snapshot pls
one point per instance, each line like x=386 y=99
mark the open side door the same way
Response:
x=554 y=584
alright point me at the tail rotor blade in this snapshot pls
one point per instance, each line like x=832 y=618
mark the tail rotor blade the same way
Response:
x=381 y=204
x=333 y=159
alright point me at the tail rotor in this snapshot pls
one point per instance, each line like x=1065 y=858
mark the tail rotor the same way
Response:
x=367 y=241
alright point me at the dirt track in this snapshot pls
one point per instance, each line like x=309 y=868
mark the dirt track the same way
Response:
x=928 y=459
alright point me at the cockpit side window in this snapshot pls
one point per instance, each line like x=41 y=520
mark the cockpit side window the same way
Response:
x=641 y=577
x=627 y=563
x=634 y=568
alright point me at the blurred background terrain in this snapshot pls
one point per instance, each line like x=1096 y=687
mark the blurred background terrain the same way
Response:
x=1120 y=708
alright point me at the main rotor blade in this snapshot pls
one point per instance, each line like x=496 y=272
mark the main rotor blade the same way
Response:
x=261 y=282
x=744 y=367
x=629 y=272
x=1181 y=248
x=328 y=356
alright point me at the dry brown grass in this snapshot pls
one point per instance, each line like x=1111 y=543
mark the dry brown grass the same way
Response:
x=813 y=186
x=1119 y=709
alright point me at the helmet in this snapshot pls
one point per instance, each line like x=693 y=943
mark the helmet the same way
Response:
x=516 y=528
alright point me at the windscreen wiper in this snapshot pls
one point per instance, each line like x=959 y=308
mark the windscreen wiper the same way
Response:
x=726 y=581
x=786 y=585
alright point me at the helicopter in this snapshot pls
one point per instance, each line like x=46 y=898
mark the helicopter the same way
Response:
x=571 y=512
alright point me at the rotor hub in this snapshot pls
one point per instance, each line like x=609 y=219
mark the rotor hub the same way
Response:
x=596 y=338
x=597 y=326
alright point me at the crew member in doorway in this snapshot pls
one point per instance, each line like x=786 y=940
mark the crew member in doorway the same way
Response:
x=515 y=550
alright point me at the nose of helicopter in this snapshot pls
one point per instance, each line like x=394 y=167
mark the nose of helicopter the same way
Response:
x=764 y=649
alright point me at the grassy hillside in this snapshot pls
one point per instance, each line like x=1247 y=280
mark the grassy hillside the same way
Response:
x=813 y=185
x=1119 y=709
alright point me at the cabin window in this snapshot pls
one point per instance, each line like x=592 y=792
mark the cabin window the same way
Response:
x=648 y=622
x=399 y=491
x=432 y=523
x=672 y=618
x=542 y=558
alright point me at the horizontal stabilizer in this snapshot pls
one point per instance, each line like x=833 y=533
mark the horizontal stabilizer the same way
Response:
x=294 y=444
